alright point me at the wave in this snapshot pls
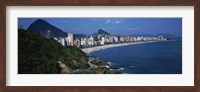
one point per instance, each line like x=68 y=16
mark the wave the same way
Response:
x=121 y=68
x=107 y=66
x=109 y=63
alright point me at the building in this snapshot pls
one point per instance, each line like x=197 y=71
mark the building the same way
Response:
x=121 y=39
x=139 y=39
x=102 y=40
x=131 y=39
x=115 y=39
x=67 y=41
x=77 y=42
x=83 y=42
x=99 y=36
x=161 y=38
x=90 y=41
x=62 y=41
x=135 y=39
x=111 y=39
x=127 y=38
x=70 y=39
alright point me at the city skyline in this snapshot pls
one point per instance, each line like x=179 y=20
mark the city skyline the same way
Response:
x=115 y=26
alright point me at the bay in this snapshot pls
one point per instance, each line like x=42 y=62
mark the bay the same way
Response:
x=148 y=58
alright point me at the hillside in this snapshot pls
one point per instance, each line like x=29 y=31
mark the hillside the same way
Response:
x=42 y=27
x=102 y=32
x=40 y=55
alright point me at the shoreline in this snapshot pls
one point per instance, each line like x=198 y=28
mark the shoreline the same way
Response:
x=91 y=49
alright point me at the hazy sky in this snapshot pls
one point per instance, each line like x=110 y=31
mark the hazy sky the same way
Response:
x=115 y=26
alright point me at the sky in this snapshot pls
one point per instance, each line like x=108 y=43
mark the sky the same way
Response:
x=115 y=26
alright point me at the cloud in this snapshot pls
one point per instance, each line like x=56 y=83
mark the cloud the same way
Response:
x=107 y=21
x=116 y=22
x=133 y=29
x=113 y=22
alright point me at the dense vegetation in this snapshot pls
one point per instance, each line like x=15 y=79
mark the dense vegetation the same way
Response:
x=39 y=55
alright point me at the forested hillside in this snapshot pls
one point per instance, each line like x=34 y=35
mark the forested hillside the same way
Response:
x=40 y=55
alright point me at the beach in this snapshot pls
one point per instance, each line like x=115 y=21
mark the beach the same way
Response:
x=90 y=49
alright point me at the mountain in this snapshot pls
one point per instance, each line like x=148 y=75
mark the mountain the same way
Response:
x=40 y=55
x=137 y=35
x=167 y=35
x=79 y=35
x=42 y=27
x=102 y=32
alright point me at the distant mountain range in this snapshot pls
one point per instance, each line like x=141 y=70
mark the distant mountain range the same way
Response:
x=42 y=27
x=167 y=35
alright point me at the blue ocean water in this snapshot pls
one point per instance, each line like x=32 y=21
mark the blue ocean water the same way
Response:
x=149 y=58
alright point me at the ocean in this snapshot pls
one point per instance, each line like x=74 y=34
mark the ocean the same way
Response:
x=149 y=58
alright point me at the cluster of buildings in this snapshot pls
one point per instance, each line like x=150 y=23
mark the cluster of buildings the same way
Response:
x=101 y=39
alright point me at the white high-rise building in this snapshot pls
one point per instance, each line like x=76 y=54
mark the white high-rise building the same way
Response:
x=67 y=41
x=102 y=40
x=70 y=39
x=139 y=39
x=91 y=41
x=115 y=39
x=63 y=41
x=122 y=39
x=83 y=42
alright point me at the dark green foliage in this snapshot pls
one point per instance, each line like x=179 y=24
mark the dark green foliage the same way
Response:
x=98 y=70
x=39 y=55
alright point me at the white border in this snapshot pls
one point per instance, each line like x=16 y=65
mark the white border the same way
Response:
x=185 y=79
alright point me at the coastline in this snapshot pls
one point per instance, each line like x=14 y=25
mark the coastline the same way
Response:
x=91 y=49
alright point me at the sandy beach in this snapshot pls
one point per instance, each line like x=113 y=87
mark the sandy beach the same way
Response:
x=90 y=49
